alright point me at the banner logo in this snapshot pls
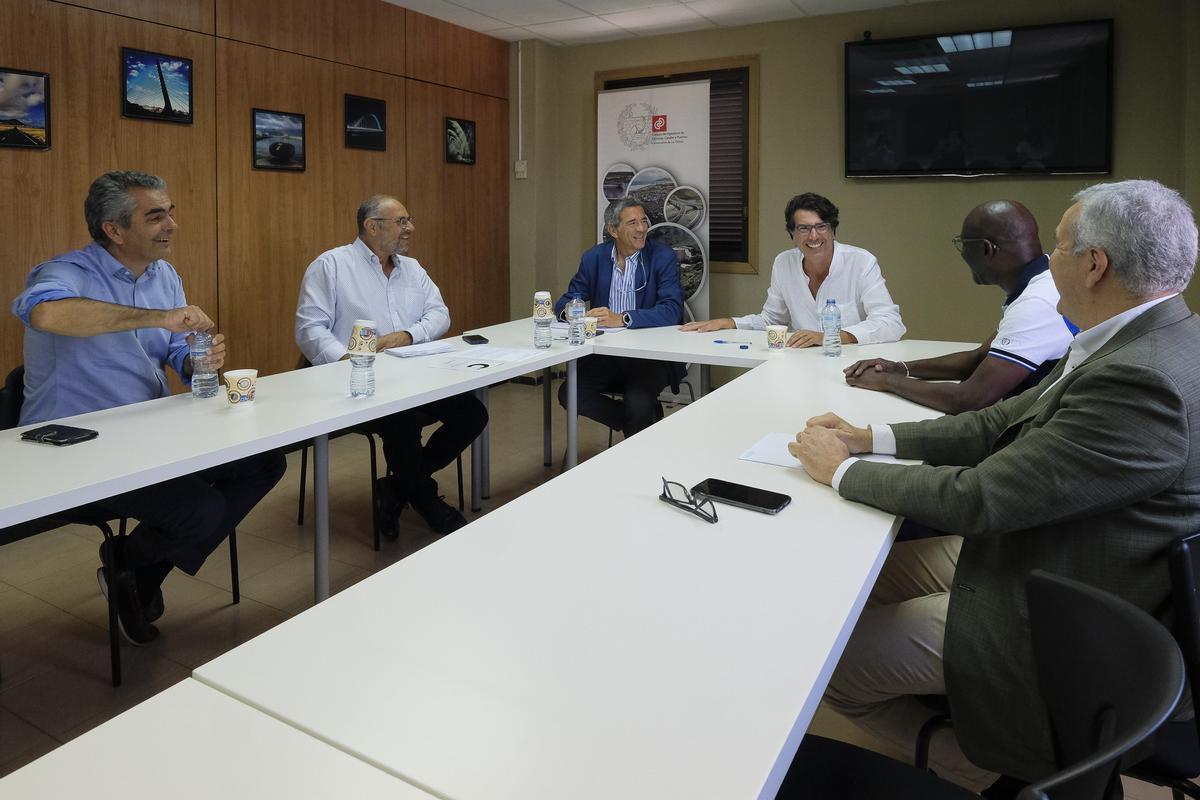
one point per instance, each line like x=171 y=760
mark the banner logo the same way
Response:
x=634 y=125
x=659 y=123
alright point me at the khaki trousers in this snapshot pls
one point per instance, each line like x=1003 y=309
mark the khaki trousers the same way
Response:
x=895 y=654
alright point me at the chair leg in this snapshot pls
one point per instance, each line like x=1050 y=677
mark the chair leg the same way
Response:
x=374 y=503
x=110 y=577
x=610 y=435
x=233 y=568
x=303 y=480
x=461 y=502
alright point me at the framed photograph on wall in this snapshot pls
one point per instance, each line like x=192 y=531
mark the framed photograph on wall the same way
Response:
x=277 y=139
x=156 y=86
x=460 y=141
x=366 y=123
x=24 y=109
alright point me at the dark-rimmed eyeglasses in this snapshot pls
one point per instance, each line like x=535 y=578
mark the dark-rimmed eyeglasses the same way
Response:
x=677 y=495
x=804 y=230
x=959 y=241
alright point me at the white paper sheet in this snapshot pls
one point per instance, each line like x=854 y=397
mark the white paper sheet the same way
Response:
x=772 y=449
x=423 y=349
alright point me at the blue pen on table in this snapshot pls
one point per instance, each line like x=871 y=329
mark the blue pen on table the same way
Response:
x=741 y=343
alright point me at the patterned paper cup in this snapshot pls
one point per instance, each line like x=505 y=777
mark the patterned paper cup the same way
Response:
x=589 y=327
x=239 y=387
x=362 y=338
x=776 y=336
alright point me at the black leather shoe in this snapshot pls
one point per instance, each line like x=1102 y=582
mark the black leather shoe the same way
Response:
x=130 y=619
x=154 y=607
x=388 y=505
x=442 y=517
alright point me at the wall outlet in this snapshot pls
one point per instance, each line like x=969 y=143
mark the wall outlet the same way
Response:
x=521 y=170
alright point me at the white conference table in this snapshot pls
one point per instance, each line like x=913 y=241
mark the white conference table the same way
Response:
x=145 y=443
x=190 y=742
x=587 y=640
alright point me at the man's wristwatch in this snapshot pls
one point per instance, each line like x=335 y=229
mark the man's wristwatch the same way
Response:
x=628 y=320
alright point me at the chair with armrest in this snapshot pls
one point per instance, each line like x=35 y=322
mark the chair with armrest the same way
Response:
x=12 y=397
x=376 y=510
x=1086 y=643
x=1110 y=675
x=1176 y=757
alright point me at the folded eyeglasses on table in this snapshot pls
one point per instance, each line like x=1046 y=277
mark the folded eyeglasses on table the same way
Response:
x=678 y=495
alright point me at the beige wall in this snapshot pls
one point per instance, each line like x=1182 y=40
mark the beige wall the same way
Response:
x=907 y=223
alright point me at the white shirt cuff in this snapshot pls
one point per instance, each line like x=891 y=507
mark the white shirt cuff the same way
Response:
x=841 y=470
x=883 y=441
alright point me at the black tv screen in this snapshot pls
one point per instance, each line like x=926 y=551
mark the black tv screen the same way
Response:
x=1012 y=101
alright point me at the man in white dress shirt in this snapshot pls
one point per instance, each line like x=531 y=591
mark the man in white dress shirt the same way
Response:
x=999 y=242
x=372 y=278
x=816 y=269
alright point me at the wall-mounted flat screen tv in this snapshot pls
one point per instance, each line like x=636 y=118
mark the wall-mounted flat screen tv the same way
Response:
x=1030 y=100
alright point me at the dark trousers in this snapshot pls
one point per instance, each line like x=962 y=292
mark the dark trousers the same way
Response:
x=639 y=380
x=181 y=521
x=463 y=418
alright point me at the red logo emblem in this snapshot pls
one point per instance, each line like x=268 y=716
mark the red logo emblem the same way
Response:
x=659 y=122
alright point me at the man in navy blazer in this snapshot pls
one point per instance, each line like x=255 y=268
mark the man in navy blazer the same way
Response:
x=630 y=282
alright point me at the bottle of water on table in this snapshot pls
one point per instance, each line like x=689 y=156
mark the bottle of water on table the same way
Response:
x=831 y=328
x=362 y=376
x=543 y=313
x=204 y=377
x=575 y=314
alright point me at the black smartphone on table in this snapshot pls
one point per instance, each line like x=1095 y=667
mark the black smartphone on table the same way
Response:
x=475 y=338
x=59 y=435
x=737 y=494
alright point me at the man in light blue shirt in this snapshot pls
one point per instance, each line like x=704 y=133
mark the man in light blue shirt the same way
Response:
x=373 y=278
x=102 y=324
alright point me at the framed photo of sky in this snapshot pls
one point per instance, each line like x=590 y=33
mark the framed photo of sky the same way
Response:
x=24 y=109
x=156 y=86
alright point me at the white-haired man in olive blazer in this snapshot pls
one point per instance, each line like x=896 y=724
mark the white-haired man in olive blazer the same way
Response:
x=1090 y=474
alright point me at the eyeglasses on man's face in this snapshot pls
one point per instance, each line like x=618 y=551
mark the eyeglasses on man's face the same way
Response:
x=677 y=495
x=403 y=222
x=804 y=230
x=960 y=242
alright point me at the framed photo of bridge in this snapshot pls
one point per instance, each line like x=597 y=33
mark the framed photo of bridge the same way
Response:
x=156 y=86
x=24 y=109
x=366 y=123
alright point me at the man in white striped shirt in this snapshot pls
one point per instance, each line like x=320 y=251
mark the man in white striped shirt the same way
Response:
x=372 y=278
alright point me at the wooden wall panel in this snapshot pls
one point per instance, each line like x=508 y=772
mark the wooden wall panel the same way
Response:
x=461 y=210
x=364 y=33
x=42 y=192
x=439 y=52
x=193 y=15
x=273 y=224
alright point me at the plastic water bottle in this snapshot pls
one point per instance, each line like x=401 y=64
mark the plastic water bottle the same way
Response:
x=362 y=376
x=204 y=377
x=543 y=311
x=575 y=314
x=831 y=327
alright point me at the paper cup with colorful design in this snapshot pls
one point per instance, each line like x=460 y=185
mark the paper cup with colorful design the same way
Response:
x=589 y=327
x=239 y=387
x=776 y=336
x=542 y=307
x=362 y=338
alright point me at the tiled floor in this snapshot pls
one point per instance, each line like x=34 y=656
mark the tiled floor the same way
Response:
x=53 y=620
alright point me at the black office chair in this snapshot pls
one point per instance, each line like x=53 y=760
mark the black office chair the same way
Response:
x=12 y=397
x=1176 y=757
x=1110 y=674
x=365 y=430
x=1086 y=644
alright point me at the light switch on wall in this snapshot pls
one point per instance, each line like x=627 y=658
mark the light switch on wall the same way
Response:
x=521 y=170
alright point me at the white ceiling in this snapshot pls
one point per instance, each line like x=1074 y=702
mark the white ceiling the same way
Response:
x=570 y=22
